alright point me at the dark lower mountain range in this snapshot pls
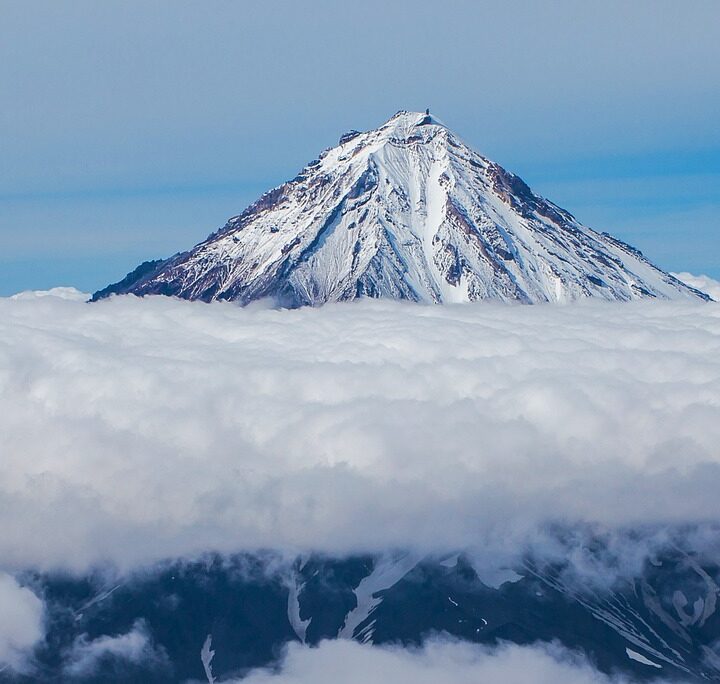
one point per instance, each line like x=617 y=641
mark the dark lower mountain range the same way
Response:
x=661 y=623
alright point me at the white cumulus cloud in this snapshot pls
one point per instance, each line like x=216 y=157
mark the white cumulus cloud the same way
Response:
x=701 y=282
x=135 y=646
x=70 y=293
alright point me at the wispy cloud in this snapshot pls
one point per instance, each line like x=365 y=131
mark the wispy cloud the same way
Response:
x=87 y=656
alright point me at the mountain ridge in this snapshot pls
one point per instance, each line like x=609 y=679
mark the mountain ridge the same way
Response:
x=404 y=211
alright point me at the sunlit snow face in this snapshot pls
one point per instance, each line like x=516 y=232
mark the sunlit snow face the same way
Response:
x=133 y=430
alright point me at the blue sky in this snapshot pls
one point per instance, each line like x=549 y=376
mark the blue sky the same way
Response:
x=130 y=130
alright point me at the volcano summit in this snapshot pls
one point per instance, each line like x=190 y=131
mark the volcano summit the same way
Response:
x=405 y=211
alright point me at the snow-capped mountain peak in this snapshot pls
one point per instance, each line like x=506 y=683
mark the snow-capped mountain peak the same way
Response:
x=405 y=211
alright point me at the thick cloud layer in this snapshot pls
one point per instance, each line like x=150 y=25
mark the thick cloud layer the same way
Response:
x=133 y=430
x=437 y=663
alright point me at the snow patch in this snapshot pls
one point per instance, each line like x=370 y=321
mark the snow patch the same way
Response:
x=293 y=610
x=387 y=572
x=640 y=658
x=206 y=657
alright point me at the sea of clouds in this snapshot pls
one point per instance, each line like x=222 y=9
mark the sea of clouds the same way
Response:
x=132 y=431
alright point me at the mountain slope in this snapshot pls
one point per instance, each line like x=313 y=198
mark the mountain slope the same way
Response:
x=406 y=211
x=661 y=622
